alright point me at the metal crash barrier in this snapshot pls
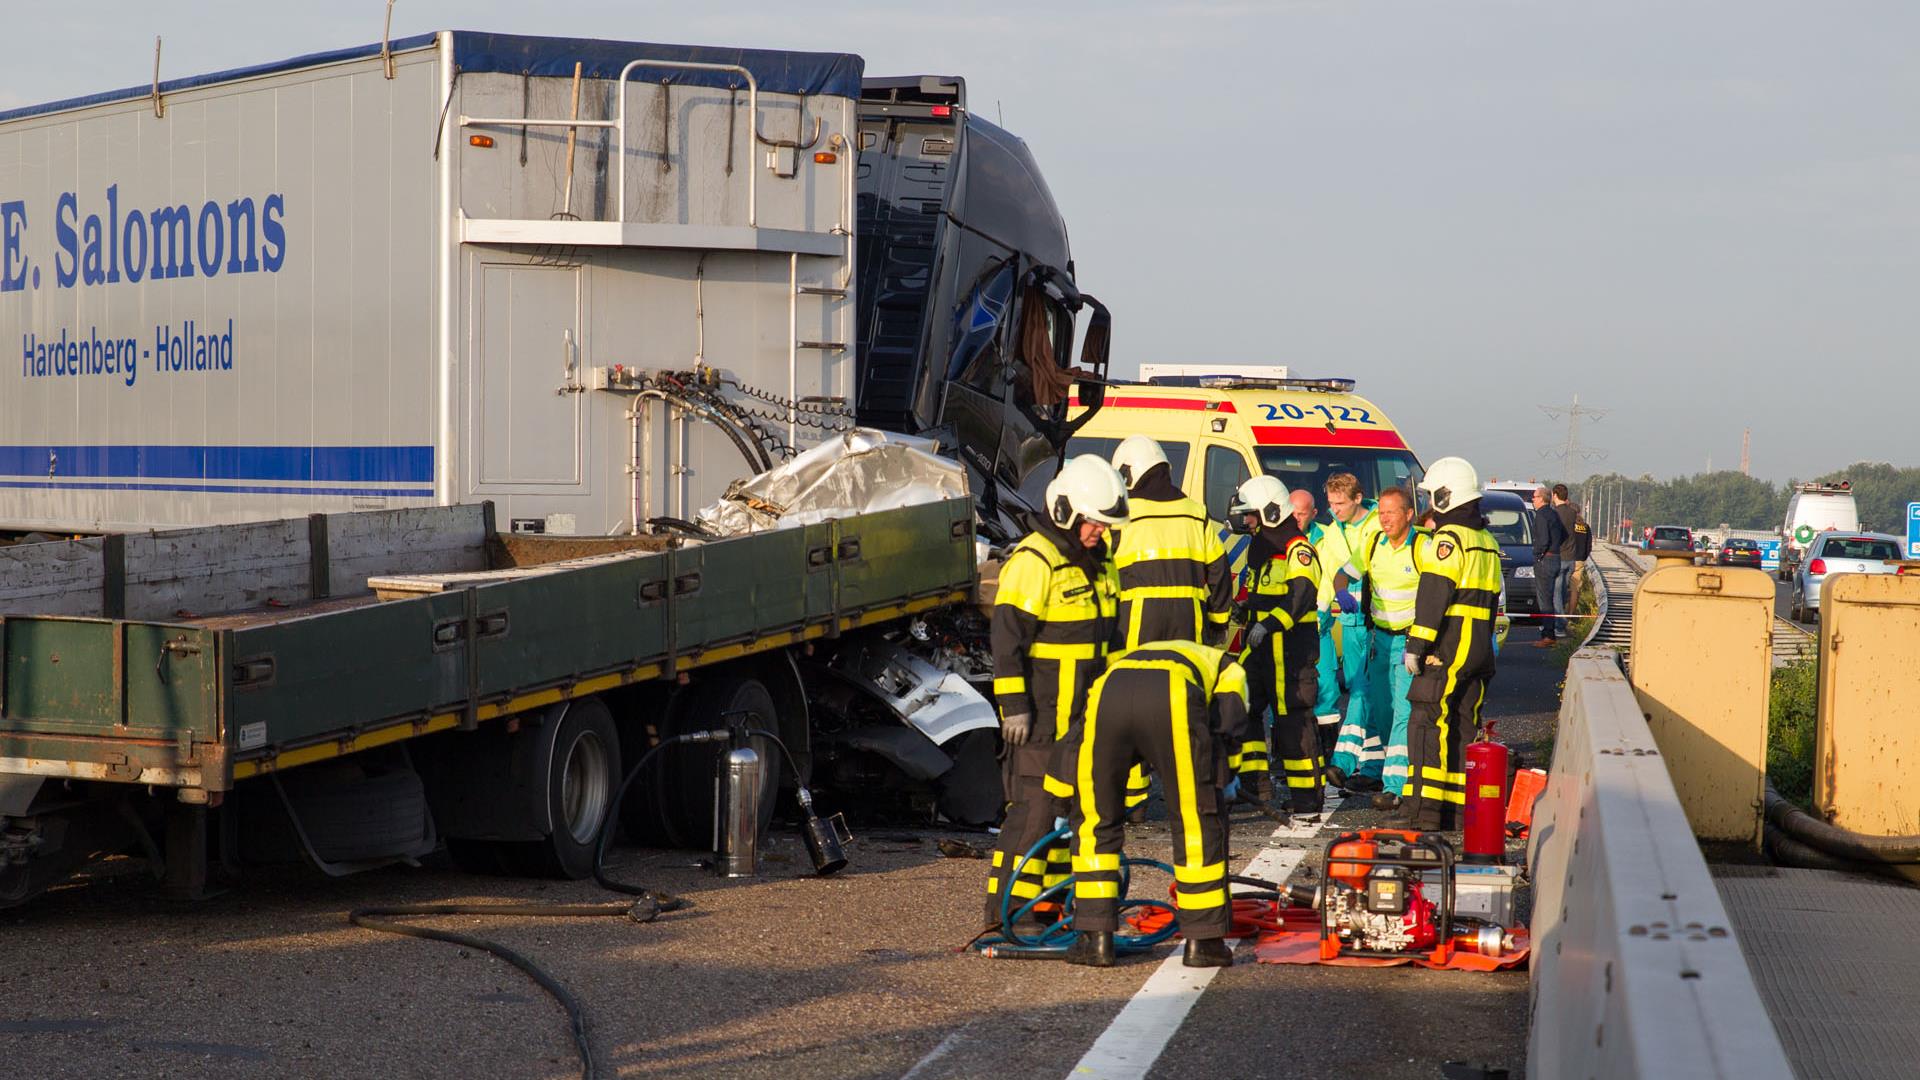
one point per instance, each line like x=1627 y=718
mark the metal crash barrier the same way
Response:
x=1635 y=969
x=1867 y=742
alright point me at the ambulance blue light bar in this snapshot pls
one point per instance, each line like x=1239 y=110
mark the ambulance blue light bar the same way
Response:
x=1243 y=382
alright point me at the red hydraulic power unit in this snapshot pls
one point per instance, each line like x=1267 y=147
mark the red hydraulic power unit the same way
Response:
x=1485 y=815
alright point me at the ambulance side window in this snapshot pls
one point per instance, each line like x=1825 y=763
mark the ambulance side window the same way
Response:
x=1226 y=471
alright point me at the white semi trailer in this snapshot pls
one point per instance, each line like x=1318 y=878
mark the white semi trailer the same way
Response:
x=436 y=272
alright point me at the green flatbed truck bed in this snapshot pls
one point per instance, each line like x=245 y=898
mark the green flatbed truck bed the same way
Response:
x=201 y=703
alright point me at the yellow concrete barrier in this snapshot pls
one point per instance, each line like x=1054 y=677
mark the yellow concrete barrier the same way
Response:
x=1702 y=663
x=1867 y=746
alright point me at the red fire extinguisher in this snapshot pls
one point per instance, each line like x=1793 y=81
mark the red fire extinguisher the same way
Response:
x=1485 y=825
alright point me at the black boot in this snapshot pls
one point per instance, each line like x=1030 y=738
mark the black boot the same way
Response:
x=1206 y=952
x=1386 y=800
x=1092 y=948
x=1335 y=777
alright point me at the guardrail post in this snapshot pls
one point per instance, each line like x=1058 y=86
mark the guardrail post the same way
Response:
x=1702 y=668
x=1866 y=744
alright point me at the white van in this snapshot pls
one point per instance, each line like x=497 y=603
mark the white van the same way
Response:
x=1812 y=510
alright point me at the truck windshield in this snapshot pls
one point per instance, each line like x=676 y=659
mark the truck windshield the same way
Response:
x=1307 y=467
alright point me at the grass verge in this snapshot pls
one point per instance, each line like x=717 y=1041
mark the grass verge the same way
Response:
x=1790 y=730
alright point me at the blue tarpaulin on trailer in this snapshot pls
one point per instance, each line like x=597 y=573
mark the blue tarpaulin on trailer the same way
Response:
x=776 y=71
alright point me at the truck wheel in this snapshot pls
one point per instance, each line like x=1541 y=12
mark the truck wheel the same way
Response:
x=675 y=806
x=582 y=774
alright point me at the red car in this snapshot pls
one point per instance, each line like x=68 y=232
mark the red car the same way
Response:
x=1738 y=551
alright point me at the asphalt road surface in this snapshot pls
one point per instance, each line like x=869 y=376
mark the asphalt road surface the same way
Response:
x=852 y=976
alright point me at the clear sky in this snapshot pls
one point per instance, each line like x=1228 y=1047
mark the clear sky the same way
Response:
x=1700 y=216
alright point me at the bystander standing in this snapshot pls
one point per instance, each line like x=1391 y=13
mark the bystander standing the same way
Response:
x=1568 y=512
x=1549 y=536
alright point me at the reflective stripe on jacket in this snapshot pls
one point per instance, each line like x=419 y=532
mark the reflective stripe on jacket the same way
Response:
x=1460 y=584
x=1214 y=672
x=1172 y=571
x=1393 y=580
x=1051 y=626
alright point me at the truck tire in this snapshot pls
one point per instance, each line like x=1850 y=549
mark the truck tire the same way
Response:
x=582 y=772
x=672 y=802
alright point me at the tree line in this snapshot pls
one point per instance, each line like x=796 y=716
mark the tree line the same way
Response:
x=1882 y=492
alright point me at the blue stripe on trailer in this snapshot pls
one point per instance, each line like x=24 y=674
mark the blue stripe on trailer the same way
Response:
x=111 y=485
x=310 y=464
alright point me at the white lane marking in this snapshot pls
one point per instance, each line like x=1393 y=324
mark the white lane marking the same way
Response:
x=946 y=1047
x=1136 y=1038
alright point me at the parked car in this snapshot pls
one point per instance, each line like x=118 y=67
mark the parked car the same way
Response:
x=1840 y=553
x=1510 y=520
x=1669 y=538
x=1739 y=551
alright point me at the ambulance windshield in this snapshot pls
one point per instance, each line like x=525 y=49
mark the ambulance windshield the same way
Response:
x=1307 y=467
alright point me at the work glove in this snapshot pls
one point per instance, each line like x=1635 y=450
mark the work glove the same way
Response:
x=1412 y=662
x=1257 y=636
x=1232 y=790
x=1347 y=601
x=1016 y=728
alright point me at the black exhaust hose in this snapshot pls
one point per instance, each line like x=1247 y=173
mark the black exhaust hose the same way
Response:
x=1787 y=851
x=1844 y=844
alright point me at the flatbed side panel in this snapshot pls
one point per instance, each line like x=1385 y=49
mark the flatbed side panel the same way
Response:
x=822 y=583
x=739 y=589
x=99 y=677
x=892 y=555
x=332 y=674
x=556 y=628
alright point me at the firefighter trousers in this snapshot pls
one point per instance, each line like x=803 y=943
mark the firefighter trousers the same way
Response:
x=1446 y=713
x=1160 y=718
x=1036 y=798
x=1294 y=741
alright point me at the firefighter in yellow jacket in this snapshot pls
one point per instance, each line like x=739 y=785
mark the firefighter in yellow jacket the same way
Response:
x=1449 y=650
x=1052 y=622
x=1179 y=706
x=1282 y=642
x=1171 y=564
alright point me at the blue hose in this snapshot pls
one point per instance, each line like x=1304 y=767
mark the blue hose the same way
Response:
x=1053 y=941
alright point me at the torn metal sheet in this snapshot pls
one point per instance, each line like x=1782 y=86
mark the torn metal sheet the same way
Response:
x=941 y=704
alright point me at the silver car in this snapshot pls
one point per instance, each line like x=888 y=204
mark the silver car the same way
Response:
x=1840 y=553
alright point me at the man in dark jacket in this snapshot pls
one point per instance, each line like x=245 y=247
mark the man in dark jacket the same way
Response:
x=1549 y=536
x=1563 y=594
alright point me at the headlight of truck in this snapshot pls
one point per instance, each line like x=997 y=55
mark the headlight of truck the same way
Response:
x=1524 y=571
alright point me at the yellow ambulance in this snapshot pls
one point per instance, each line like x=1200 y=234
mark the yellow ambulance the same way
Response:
x=1220 y=424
